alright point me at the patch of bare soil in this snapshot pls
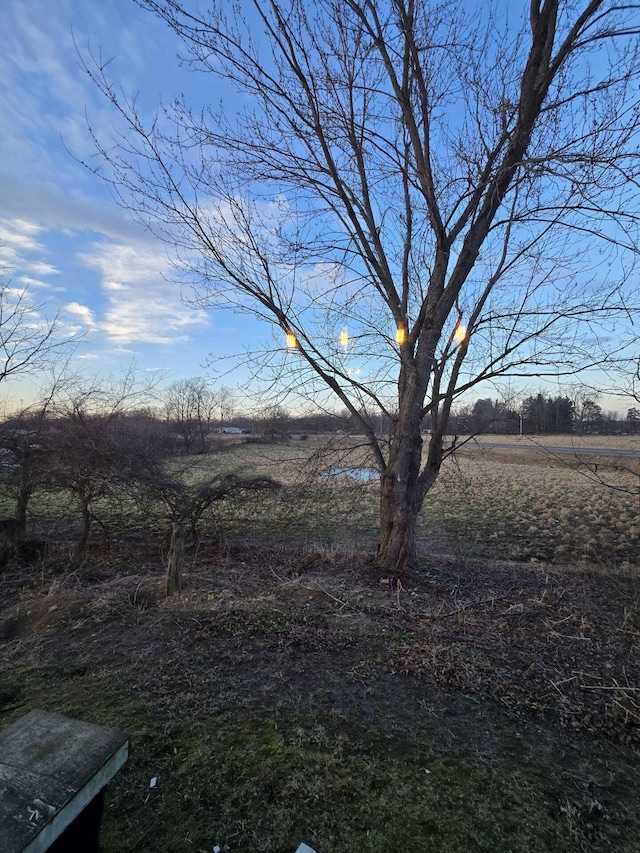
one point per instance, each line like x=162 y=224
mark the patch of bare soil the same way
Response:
x=544 y=648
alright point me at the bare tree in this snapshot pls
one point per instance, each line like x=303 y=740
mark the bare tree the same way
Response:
x=27 y=342
x=25 y=459
x=191 y=405
x=181 y=410
x=275 y=422
x=90 y=455
x=587 y=413
x=188 y=502
x=420 y=195
x=226 y=404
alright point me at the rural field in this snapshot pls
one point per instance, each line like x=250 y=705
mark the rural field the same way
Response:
x=526 y=504
x=490 y=701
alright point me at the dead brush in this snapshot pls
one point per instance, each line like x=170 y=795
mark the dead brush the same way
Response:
x=631 y=618
x=624 y=707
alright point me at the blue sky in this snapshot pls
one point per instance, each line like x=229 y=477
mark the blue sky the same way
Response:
x=61 y=232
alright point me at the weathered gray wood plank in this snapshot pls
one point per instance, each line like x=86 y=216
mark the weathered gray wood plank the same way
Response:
x=51 y=767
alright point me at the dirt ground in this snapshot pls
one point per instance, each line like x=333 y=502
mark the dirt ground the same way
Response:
x=481 y=656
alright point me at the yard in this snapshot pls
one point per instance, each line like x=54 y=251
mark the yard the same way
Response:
x=488 y=702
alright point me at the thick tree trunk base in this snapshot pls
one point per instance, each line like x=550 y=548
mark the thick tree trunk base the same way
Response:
x=399 y=508
x=397 y=553
x=395 y=561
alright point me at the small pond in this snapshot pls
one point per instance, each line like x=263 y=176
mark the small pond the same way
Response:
x=359 y=475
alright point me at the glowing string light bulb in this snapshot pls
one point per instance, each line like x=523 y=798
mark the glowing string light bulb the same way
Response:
x=292 y=341
x=459 y=333
x=401 y=334
x=344 y=338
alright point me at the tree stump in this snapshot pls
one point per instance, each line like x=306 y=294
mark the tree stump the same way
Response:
x=176 y=558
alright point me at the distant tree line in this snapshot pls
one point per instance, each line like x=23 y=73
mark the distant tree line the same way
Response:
x=539 y=414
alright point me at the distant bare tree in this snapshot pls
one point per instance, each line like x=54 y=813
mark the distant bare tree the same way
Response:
x=90 y=455
x=587 y=413
x=275 y=422
x=422 y=195
x=180 y=409
x=192 y=405
x=226 y=405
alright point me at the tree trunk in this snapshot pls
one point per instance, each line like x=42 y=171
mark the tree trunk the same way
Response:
x=404 y=486
x=21 y=510
x=401 y=497
x=81 y=545
x=399 y=510
x=22 y=504
x=176 y=558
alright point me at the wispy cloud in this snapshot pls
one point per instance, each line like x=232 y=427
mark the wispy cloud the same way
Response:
x=20 y=235
x=42 y=268
x=21 y=251
x=62 y=235
x=68 y=211
x=45 y=100
x=41 y=89
x=143 y=304
x=28 y=281
x=81 y=313
x=16 y=243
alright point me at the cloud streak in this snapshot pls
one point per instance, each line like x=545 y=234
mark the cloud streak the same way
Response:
x=82 y=313
x=20 y=250
x=142 y=304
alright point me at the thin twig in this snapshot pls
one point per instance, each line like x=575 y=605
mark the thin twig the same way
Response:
x=477 y=603
x=557 y=684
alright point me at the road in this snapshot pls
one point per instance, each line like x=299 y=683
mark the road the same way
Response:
x=551 y=449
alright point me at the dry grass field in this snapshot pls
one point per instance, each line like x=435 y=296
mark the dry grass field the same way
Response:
x=522 y=504
x=543 y=505
x=578 y=442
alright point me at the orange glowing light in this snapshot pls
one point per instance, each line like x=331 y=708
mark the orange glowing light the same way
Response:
x=401 y=334
x=460 y=333
x=292 y=341
x=344 y=338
